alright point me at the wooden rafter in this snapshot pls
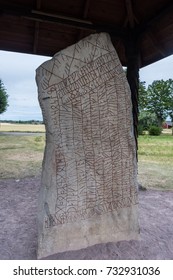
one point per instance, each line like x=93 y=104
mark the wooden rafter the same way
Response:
x=145 y=27
x=86 y=8
x=130 y=14
x=36 y=29
x=40 y=16
x=136 y=17
x=156 y=44
x=85 y=14
x=132 y=52
x=36 y=36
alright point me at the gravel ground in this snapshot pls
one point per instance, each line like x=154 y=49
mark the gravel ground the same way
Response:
x=18 y=226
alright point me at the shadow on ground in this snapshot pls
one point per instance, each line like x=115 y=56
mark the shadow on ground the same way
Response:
x=18 y=226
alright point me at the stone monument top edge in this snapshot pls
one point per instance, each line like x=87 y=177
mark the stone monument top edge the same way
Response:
x=90 y=37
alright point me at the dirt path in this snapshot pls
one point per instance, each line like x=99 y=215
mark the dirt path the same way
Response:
x=18 y=226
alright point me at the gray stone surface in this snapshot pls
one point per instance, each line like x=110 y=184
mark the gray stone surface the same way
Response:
x=89 y=185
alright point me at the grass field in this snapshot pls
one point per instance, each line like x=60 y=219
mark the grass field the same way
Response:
x=155 y=156
x=8 y=127
x=21 y=156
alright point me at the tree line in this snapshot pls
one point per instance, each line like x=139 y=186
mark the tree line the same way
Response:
x=22 y=122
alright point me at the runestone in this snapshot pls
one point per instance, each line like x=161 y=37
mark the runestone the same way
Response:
x=89 y=174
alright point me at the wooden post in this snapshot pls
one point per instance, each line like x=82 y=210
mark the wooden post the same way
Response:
x=133 y=59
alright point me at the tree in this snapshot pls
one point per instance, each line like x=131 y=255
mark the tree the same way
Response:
x=3 y=98
x=147 y=119
x=170 y=102
x=142 y=96
x=157 y=99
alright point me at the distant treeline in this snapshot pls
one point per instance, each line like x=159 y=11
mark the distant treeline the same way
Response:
x=22 y=122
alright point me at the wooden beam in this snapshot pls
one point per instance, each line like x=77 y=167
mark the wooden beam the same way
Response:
x=160 y=15
x=86 y=8
x=78 y=23
x=85 y=13
x=145 y=27
x=130 y=13
x=36 y=36
x=156 y=44
x=61 y=17
x=36 y=29
x=38 y=4
x=133 y=61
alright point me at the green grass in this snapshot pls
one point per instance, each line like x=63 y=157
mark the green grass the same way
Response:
x=21 y=156
x=155 y=156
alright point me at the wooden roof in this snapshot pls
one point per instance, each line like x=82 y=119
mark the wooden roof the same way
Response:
x=44 y=27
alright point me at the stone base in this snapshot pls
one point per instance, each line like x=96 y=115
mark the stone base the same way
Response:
x=108 y=227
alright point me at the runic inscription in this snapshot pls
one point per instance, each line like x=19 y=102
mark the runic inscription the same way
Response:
x=86 y=108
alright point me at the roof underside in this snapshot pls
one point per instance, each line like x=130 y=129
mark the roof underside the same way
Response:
x=45 y=27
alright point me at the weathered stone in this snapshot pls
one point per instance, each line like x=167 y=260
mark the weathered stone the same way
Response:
x=89 y=185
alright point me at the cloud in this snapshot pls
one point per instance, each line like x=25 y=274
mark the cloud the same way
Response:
x=18 y=75
x=157 y=71
x=17 y=66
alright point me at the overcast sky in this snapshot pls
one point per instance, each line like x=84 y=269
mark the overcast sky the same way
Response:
x=17 y=71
